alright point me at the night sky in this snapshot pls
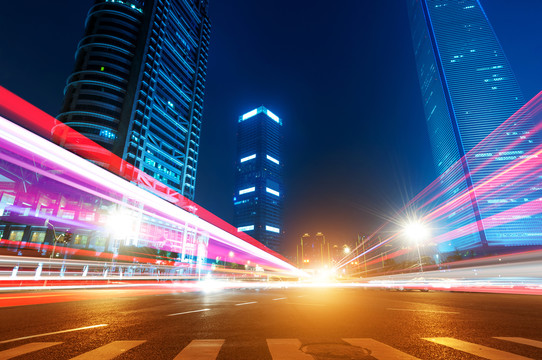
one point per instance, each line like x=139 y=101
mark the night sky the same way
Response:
x=342 y=78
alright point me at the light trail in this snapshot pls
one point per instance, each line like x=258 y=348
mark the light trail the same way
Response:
x=161 y=226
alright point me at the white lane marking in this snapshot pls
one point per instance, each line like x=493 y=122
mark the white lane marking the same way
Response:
x=189 y=312
x=279 y=299
x=201 y=350
x=428 y=311
x=380 y=350
x=523 y=341
x=109 y=351
x=25 y=349
x=287 y=349
x=52 y=333
x=250 y=302
x=305 y=304
x=475 y=349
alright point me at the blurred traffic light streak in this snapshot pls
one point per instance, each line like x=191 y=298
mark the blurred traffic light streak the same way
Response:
x=45 y=189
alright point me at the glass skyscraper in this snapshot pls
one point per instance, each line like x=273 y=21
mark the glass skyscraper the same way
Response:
x=138 y=83
x=468 y=91
x=259 y=189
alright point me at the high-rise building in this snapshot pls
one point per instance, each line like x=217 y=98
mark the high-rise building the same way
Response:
x=468 y=91
x=138 y=82
x=259 y=189
x=314 y=252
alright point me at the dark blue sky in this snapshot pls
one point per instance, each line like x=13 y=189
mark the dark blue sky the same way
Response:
x=341 y=76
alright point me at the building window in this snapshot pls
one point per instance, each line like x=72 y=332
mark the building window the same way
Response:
x=38 y=237
x=16 y=235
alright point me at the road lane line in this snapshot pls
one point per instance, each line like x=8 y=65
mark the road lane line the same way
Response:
x=30 y=296
x=201 y=350
x=475 y=349
x=380 y=350
x=279 y=299
x=52 y=333
x=287 y=349
x=189 y=312
x=305 y=304
x=25 y=349
x=109 y=351
x=250 y=302
x=428 y=311
x=523 y=341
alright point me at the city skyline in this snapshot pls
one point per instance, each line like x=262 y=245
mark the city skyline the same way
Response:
x=368 y=152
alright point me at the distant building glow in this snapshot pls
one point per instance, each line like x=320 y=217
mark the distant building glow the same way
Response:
x=273 y=159
x=245 y=191
x=247 y=158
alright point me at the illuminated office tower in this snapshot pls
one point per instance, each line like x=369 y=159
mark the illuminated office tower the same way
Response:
x=258 y=183
x=468 y=91
x=138 y=82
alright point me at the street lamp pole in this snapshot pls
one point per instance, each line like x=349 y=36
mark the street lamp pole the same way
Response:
x=419 y=256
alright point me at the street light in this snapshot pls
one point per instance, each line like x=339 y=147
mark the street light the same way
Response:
x=417 y=231
x=346 y=250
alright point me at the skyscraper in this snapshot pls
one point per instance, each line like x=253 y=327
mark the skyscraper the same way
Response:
x=138 y=82
x=259 y=190
x=468 y=91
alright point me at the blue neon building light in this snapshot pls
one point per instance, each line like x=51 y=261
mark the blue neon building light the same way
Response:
x=272 y=159
x=247 y=158
x=247 y=190
x=271 y=191
x=260 y=110
x=246 y=228
x=250 y=114
x=272 y=229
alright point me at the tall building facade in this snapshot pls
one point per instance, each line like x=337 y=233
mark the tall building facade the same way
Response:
x=259 y=190
x=468 y=91
x=138 y=83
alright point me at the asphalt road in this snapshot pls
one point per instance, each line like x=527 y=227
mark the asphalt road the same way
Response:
x=275 y=324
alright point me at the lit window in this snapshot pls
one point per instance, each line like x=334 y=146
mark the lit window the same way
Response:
x=271 y=191
x=245 y=228
x=272 y=159
x=247 y=158
x=247 y=190
x=272 y=229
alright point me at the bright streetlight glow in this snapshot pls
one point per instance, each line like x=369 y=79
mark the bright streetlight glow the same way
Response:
x=347 y=250
x=416 y=231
